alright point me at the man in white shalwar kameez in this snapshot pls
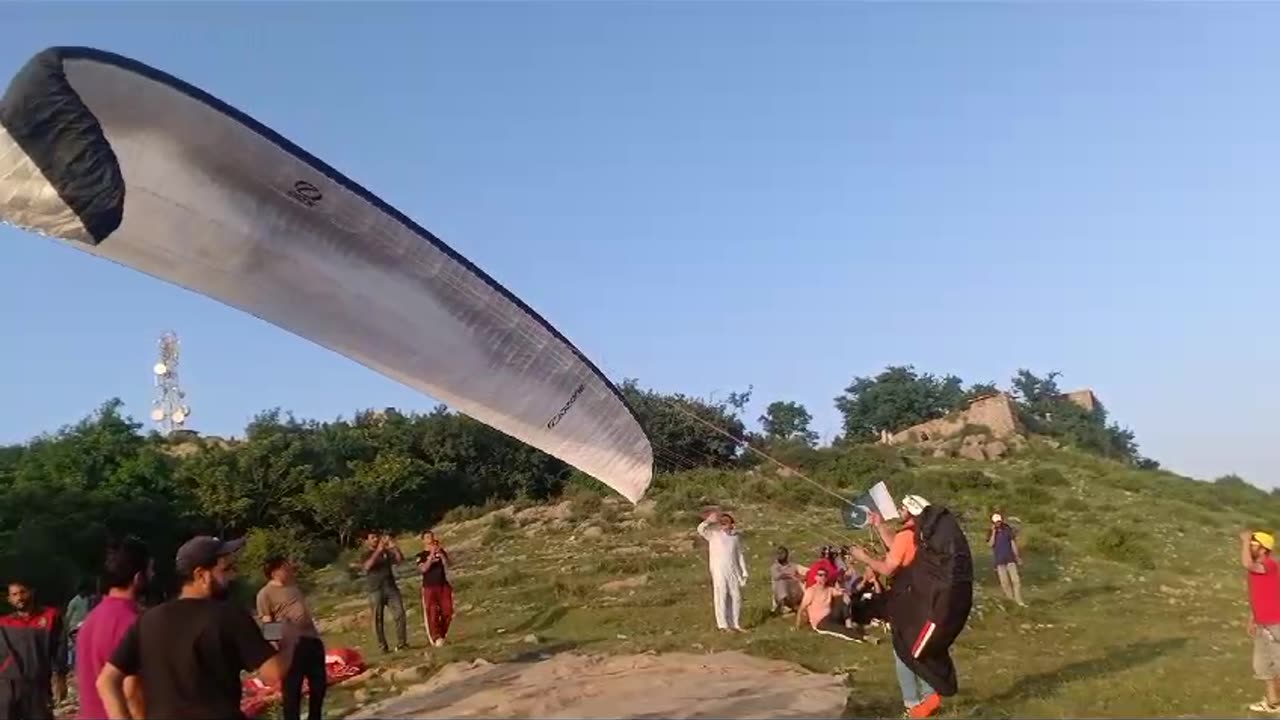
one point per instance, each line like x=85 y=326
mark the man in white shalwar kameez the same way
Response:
x=728 y=568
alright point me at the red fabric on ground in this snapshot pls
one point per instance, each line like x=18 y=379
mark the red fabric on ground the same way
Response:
x=339 y=664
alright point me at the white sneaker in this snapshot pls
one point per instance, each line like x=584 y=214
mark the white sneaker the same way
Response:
x=439 y=642
x=1262 y=706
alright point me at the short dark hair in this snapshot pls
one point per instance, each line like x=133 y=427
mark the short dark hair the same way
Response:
x=125 y=560
x=272 y=564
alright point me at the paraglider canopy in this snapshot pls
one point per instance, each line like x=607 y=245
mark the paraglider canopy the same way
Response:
x=133 y=165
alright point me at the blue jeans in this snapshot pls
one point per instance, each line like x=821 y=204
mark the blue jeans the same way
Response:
x=914 y=688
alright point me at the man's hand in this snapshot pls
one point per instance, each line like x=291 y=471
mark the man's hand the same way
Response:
x=875 y=519
x=857 y=553
x=1253 y=629
x=713 y=516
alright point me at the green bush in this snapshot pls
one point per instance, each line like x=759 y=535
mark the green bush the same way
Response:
x=464 y=513
x=1026 y=496
x=1038 y=543
x=1074 y=505
x=854 y=468
x=1123 y=545
x=680 y=497
x=1131 y=480
x=262 y=543
x=1047 y=477
x=586 y=504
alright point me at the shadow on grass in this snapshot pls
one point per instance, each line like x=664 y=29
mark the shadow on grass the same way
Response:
x=541 y=620
x=859 y=706
x=1032 y=686
x=1114 y=660
x=1077 y=593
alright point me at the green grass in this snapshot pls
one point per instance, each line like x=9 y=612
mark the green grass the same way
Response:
x=1136 y=605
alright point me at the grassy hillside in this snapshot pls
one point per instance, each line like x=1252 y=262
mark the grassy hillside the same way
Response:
x=1136 y=603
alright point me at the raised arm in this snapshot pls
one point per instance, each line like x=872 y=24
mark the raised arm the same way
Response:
x=704 y=527
x=886 y=535
x=1246 y=557
x=372 y=560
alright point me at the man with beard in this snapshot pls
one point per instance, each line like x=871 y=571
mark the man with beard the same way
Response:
x=189 y=652
x=728 y=568
x=1264 y=620
x=33 y=657
x=381 y=555
x=929 y=602
x=126 y=573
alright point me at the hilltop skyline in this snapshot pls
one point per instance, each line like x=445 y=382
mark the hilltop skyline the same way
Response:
x=711 y=196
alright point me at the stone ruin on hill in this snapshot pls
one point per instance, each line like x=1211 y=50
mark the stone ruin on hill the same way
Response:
x=988 y=429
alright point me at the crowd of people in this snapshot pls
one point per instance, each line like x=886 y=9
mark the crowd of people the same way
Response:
x=184 y=657
x=846 y=590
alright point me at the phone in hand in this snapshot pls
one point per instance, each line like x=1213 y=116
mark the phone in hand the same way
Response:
x=273 y=631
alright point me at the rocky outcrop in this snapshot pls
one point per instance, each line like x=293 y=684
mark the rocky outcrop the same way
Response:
x=988 y=429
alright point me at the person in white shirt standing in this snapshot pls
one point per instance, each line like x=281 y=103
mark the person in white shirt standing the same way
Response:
x=728 y=568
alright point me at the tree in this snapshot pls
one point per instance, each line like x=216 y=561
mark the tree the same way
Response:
x=896 y=399
x=1046 y=411
x=686 y=432
x=785 y=421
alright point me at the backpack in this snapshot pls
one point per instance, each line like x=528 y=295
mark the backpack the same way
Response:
x=931 y=599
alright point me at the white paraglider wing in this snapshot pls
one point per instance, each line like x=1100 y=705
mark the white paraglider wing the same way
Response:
x=138 y=167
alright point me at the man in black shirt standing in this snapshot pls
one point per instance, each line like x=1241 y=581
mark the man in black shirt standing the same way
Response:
x=381 y=554
x=189 y=652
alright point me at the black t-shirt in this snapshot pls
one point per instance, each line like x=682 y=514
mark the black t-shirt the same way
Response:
x=189 y=655
x=435 y=576
x=383 y=572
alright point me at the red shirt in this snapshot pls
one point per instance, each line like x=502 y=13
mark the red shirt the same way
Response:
x=1264 y=593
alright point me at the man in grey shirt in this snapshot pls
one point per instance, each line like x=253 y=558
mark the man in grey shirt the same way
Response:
x=788 y=589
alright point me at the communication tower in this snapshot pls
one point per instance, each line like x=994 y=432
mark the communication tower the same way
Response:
x=169 y=410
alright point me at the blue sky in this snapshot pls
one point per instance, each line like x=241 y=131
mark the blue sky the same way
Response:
x=707 y=196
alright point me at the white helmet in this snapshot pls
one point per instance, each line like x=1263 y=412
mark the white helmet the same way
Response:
x=914 y=504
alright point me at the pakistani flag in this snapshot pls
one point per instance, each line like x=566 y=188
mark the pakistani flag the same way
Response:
x=858 y=513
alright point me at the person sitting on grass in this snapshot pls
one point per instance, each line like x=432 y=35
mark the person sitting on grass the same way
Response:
x=824 y=607
x=788 y=590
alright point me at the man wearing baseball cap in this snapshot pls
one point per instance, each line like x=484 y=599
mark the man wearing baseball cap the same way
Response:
x=1264 y=623
x=189 y=652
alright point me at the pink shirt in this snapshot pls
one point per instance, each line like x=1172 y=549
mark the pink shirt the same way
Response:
x=98 y=637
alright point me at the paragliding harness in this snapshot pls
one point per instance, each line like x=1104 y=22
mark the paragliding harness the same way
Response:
x=930 y=599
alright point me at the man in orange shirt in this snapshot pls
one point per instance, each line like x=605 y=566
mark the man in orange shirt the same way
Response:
x=920 y=699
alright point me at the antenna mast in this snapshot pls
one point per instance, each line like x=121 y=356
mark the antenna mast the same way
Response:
x=169 y=409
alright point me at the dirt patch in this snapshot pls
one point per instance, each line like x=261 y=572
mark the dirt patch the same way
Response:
x=570 y=685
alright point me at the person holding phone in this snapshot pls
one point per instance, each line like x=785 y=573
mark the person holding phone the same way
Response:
x=379 y=564
x=437 y=593
x=1003 y=540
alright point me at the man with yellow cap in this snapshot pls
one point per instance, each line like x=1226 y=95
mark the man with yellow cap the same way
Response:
x=1264 y=623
